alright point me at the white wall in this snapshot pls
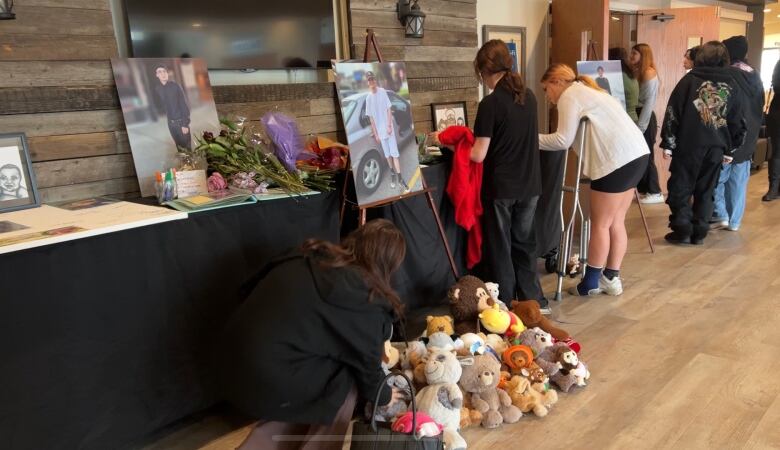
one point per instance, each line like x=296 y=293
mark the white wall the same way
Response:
x=731 y=27
x=634 y=5
x=531 y=14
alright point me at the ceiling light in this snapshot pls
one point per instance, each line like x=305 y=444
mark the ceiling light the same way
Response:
x=615 y=18
x=196 y=25
x=766 y=10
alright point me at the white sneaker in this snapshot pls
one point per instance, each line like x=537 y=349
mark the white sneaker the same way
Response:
x=610 y=287
x=719 y=225
x=651 y=199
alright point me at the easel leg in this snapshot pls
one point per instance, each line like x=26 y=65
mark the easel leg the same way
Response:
x=344 y=196
x=362 y=218
x=644 y=221
x=435 y=210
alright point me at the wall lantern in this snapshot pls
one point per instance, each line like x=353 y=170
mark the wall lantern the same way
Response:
x=411 y=17
x=7 y=10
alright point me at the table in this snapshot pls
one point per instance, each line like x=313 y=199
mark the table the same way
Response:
x=106 y=339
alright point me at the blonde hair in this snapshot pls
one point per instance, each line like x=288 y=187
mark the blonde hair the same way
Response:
x=646 y=61
x=562 y=72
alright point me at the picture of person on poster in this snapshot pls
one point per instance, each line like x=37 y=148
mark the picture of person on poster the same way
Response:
x=378 y=109
x=603 y=81
x=176 y=109
x=11 y=183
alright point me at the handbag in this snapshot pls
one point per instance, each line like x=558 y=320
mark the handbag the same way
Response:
x=379 y=436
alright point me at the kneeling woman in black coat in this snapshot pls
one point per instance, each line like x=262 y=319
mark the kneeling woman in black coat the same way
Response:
x=309 y=338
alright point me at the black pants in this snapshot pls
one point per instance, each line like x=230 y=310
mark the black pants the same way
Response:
x=773 y=129
x=693 y=176
x=548 y=213
x=510 y=247
x=649 y=182
x=181 y=139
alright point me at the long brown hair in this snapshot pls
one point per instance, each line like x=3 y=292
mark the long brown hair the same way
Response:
x=620 y=54
x=646 y=61
x=562 y=72
x=494 y=58
x=376 y=249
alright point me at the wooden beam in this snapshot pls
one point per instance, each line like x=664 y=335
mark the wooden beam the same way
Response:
x=123 y=187
x=429 y=69
x=53 y=124
x=296 y=108
x=272 y=92
x=397 y=36
x=49 y=148
x=66 y=21
x=442 y=83
x=362 y=19
x=466 y=10
x=455 y=95
x=81 y=4
x=55 y=73
x=32 y=47
x=83 y=170
x=57 y=99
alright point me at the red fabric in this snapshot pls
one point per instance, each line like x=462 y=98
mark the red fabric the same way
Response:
x=464 y=188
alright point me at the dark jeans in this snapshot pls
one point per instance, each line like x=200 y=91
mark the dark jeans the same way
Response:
x=181 y=139
x=510 y=247
x=649 y=182
x=693 y=176
x=773 y=129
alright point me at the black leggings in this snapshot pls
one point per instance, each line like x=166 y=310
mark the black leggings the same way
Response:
x=623 y=178
x=649 y=182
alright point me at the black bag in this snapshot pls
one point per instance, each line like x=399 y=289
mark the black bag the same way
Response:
x=373 y=436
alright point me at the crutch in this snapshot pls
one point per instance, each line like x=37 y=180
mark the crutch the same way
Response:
x=567 y=224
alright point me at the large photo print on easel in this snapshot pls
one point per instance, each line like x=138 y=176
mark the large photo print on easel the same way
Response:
x=166 y=102
x=377 y=116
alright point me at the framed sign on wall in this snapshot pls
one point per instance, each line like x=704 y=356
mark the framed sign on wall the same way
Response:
x=17 y=180
x=515 y=38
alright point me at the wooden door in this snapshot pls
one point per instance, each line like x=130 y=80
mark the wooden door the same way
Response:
x=573 y=21
x=669 y=40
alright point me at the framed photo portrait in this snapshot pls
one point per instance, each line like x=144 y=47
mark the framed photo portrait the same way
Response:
x=448 y=114
x=515 y=39
x=17 y=181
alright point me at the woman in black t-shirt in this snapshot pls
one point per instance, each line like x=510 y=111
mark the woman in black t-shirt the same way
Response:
x=506 y=142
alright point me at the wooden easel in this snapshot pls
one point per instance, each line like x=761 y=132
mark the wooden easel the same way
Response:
x=371 y=42
x=593 y=56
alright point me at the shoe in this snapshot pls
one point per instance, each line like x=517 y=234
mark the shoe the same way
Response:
x=403 y=184
x=611 y=287
x=651 y=199
x=576 y=292
x=678 y=239
x=545 y=310
x=773 y=193
x=733 y=228
x=719 y=224
x=392 y=180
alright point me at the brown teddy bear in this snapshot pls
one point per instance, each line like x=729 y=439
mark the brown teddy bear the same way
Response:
x=480 y=380
x=439 y=324
x=467 y=298
x=468 y=415
x=528 y=397
x=528 y=311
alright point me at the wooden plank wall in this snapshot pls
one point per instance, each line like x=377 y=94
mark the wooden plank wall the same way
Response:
x=440 y=65
x=56 y=85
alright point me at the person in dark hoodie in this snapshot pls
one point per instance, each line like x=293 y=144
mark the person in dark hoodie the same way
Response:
x=176 y=109
x=703 y=126
x=773 y=128
x=309 y=339
x=731 y=190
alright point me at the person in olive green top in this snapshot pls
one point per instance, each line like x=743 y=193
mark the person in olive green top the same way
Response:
x=630 y=83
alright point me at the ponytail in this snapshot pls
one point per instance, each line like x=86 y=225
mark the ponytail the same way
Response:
x=589 y=82
x=513 y=82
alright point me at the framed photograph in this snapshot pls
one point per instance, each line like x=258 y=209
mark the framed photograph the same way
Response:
x=607 y=74
x=166 y=102
x=377 y=115
x=515 y=39
x=17 y=180
x=448 y=114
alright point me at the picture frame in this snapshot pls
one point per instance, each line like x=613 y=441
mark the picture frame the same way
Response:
x=18 y=189
x=448 y=114
x=514 y=37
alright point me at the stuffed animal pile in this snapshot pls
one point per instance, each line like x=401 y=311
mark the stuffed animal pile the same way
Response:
x=487 y=364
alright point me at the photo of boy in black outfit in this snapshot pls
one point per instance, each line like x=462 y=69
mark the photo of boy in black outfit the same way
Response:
x=176 y=109
x=704 y=124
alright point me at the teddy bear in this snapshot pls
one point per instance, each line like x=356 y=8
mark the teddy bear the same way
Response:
x=473 y=344
x=439 y=324
x=390 y=361
x=539 y=340
x=480 y=380
x=468 y=415
x=493 y=291
x=528 y=311
x=517 y=357
x=506 y=323
x=442 y=399
x=530 y=398
x=496 y=342
x=572 y=372
x=467 y=298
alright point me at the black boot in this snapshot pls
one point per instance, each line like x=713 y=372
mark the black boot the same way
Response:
x=773 y=192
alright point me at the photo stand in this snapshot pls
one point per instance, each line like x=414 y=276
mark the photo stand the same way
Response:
x=362 y=209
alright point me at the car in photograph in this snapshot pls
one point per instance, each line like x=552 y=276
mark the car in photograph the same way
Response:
x=368 y=160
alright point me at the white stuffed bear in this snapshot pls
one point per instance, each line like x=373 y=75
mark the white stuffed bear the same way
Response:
x=493 y=291
x=442 y=399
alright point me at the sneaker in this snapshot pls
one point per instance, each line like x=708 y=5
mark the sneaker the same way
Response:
x=677 y=239
x=576 y=292
x=719 y=224
x=733 y=228
x=611 y=287
x=651 y=199
x=392 y=180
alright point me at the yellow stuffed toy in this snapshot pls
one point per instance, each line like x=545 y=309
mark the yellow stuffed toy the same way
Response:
x=440 y=324
x=498 y=321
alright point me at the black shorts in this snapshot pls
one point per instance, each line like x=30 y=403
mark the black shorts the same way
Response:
x=622 y=179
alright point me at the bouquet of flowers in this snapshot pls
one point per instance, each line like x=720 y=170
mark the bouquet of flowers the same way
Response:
x=246 y=162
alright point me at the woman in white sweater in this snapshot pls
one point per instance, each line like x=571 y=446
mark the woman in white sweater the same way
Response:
x=615 y=159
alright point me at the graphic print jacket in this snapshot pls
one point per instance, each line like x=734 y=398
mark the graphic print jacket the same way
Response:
x=705 y=110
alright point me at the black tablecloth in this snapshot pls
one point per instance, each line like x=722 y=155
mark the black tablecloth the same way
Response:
x=106 y=339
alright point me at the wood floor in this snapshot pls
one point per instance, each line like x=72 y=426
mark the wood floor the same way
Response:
x=687 y=358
